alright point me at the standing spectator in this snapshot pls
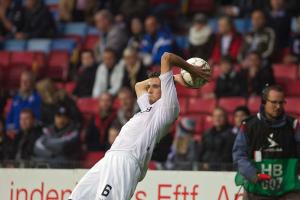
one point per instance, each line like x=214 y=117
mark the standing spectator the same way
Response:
x=128 y=106
x=266 y=151
x=109 y=74
x=86 y=75
x=240 y=113
x=96 y=132
x=156 y=41
x=112 y=35
x=21 y=147
x=228 y=42
x=230 y=82
x=11 y=18
x=200 y=38
x=52 y=99
x=26 y=97
x=257 y=74
x=60 y=141
x=183 y=150
x=262 y=39
x=211 y=152
x=135 y=71
x=38 y=21
x=280 y=21
x=137 y=32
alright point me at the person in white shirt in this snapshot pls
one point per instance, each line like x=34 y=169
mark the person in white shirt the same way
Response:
x=115 y=177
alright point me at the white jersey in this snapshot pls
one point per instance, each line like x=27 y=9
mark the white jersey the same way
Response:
x=145 y=129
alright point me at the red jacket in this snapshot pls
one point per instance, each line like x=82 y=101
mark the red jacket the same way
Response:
x=233 y=49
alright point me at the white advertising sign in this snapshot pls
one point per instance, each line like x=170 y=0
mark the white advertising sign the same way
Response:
x=44 y=184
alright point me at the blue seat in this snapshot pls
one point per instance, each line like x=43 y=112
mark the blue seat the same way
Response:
x=63 y=45
x=213 y=24
x=15 y=45
x=43 y=45
x=75 y=29
x=92 y=31
x=242 y=25
x=182 y=42
x=51 y=2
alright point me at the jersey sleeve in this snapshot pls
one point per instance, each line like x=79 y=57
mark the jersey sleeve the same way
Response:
x=143 y=101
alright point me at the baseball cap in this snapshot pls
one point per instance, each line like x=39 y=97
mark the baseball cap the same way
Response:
x=62 y=110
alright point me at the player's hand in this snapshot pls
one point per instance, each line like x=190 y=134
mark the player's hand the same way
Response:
x=178 y=79
x=200 y=72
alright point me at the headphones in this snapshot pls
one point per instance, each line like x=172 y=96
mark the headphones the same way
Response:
x=264 y=94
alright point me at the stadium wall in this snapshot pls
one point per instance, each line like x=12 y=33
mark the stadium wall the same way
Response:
x=45 y=184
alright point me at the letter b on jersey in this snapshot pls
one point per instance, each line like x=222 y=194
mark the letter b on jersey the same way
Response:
x=106 y=190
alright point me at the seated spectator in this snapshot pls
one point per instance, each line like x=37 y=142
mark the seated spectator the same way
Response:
x=128 y=106
x=86 y=75
x=280 y=21
x=261 y=40
x=112 y=35
x=135 y=71
x=257 y=74
x=96 y=132
x=11 y=18
x=294 y=49
x=20 y=148
x=26 y=97
x=38 y=21
x=227 y=42
x=60 y=141
x=230 y=82
x=52 y=98
x=200 y=38
x=113 y=133
x=239 y=114
x=211 y=149
x=183 y=151
x=156 y=41
x=109 y=75
x=137 y=32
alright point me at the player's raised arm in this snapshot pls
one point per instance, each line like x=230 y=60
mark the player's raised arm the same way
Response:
x=169 y=60
x=141 y=87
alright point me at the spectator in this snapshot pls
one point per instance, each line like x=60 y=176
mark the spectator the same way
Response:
x=211 y=152
x=183 y=152
x=262 y=39
x=113 y=133
x=60 y=141
x=156 y=41
x=128 y=106
x=257 y=74
x=280 y=21
x=109 y=75
x=112 y=35
x=268 y=140
x=21 y=147
x=200 y=38
x=65 y=10
x=86 y=75
x=227 y=42
x=135 y=71
x=11 y=18
x=52 y=98
x=137 y=32
x=38 y=21
x=230 y=82
x=240 y=113
x=26 y=97
x=96 y=132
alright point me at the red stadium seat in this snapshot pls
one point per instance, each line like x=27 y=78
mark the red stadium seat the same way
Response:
x=91 y=158
x=90 y=42
x=58 y=65
x=5 y=59
x=186 y=92
x=12 y=77
x=87 y=105
x=20 y=58
x=254 y=104
x=293 y=88
x=207 y=122
x=69 y=87
x=216 y=72
x=230 y=103
x=183 y=105
x=208 y=88
x=203 y=106
x=200 y=6
x=292 y=105
x=285 y=73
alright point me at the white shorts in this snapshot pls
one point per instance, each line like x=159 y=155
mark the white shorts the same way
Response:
x=114 y=177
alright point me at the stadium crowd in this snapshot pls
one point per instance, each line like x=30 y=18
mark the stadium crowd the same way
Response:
x=68 y=70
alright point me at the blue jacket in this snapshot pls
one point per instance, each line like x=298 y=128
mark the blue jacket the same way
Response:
x=157 y=45
x=33 y=102
x=240 y=151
